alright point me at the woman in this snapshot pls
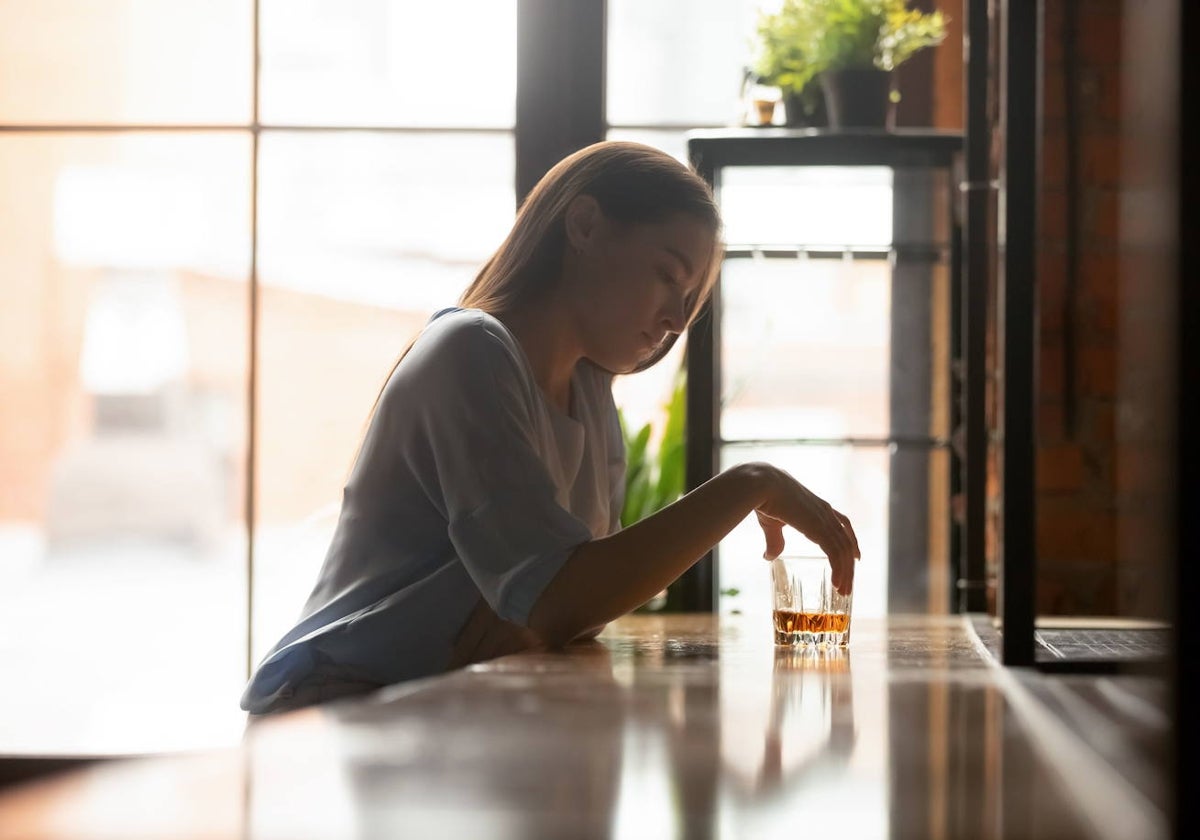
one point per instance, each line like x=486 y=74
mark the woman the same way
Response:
x=481 y=516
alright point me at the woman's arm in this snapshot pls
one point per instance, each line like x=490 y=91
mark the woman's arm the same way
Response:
x=606 y=578
x=590 y=633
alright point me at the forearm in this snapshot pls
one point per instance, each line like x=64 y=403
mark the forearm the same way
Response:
x=590 y=633
x=606 y=578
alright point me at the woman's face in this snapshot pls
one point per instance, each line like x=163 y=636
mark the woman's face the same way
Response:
x=631 y=286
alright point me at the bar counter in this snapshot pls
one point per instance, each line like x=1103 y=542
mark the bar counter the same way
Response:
x=666 y=726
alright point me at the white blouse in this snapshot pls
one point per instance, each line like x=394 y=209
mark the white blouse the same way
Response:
x=468 y=483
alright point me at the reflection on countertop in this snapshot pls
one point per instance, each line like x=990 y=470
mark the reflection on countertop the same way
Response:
x=667 y=726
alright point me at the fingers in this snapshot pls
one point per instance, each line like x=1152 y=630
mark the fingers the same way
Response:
x=787 y=501
x=841 y=564
x=773 y=531
x=845 y=582
x=839 y=544
x=845 y=520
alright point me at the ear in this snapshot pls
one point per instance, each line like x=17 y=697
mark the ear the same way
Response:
x=584 y=219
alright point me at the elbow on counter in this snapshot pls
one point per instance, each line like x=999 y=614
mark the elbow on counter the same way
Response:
x=558 y=625
x=555 y=632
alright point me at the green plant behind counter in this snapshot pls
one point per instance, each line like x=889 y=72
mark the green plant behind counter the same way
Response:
x=780 y=51
x=805 y=38
x=654 y=477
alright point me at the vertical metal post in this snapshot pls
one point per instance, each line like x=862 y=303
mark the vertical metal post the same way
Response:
x=1022 y=109
x=976 y=196
x=697 y=587
x=560 y=84
x=910 y=374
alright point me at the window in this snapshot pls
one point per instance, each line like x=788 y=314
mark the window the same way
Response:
x=183 y=225
x=150 y=184
x=672 y=69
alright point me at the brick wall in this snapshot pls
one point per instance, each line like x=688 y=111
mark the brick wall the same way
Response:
x=1077 y=381
x=1080 y=348
x=1148 y=397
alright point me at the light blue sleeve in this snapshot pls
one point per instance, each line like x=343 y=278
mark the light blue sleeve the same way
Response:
x=472 y=446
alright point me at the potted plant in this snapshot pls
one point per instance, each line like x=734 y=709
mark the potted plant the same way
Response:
x=852 y=47
x=861 y=43
x=782 y=39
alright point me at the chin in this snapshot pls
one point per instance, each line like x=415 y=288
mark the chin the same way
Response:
x=617 y=367
x=619 y=364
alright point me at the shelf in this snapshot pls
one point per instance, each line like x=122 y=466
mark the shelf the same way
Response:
x=711 y=149
x=909 y=252
x=898 y=440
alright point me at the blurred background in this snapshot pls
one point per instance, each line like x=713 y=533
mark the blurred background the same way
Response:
x=221 y=221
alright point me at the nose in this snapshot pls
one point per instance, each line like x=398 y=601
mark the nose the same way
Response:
x=674 y=318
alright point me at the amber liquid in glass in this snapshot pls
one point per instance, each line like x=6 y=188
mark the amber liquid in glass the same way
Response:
x=792 y=626
x=787 y=621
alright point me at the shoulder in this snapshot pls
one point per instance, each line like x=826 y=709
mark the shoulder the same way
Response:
x=464 y=331
x=467 y=340
x=462 y=357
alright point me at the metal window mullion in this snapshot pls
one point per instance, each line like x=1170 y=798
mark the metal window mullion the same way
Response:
x=977 y=192
x=703 y=445
x=560 y=84
x=253 y=125
x=252 y=377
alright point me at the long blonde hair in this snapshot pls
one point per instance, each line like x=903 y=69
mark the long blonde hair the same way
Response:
x=631 y=182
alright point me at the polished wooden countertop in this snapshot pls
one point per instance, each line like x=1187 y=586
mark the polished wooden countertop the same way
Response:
x=667 y=726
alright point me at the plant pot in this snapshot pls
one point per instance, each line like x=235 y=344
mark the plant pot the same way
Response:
x=859 y=97
x=805 y=108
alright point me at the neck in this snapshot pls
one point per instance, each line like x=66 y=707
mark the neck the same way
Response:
x=543 y=331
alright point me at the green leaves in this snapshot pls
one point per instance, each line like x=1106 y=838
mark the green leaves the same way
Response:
x=654 y=478
x=637 y=473
x=807 y=37
x=784 y=40
x=846 y=32
x=907 y=32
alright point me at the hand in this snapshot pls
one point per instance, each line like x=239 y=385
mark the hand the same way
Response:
x=785 y=501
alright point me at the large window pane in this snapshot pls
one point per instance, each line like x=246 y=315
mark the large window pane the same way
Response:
x=852 y=479
x=363 y=236
x=805 y=348
x=389 y=62
x=677 y=62
x=131 y=61
x=123 y=266
x=830 y=207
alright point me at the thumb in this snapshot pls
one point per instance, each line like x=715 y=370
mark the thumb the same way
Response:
x=773 y=531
